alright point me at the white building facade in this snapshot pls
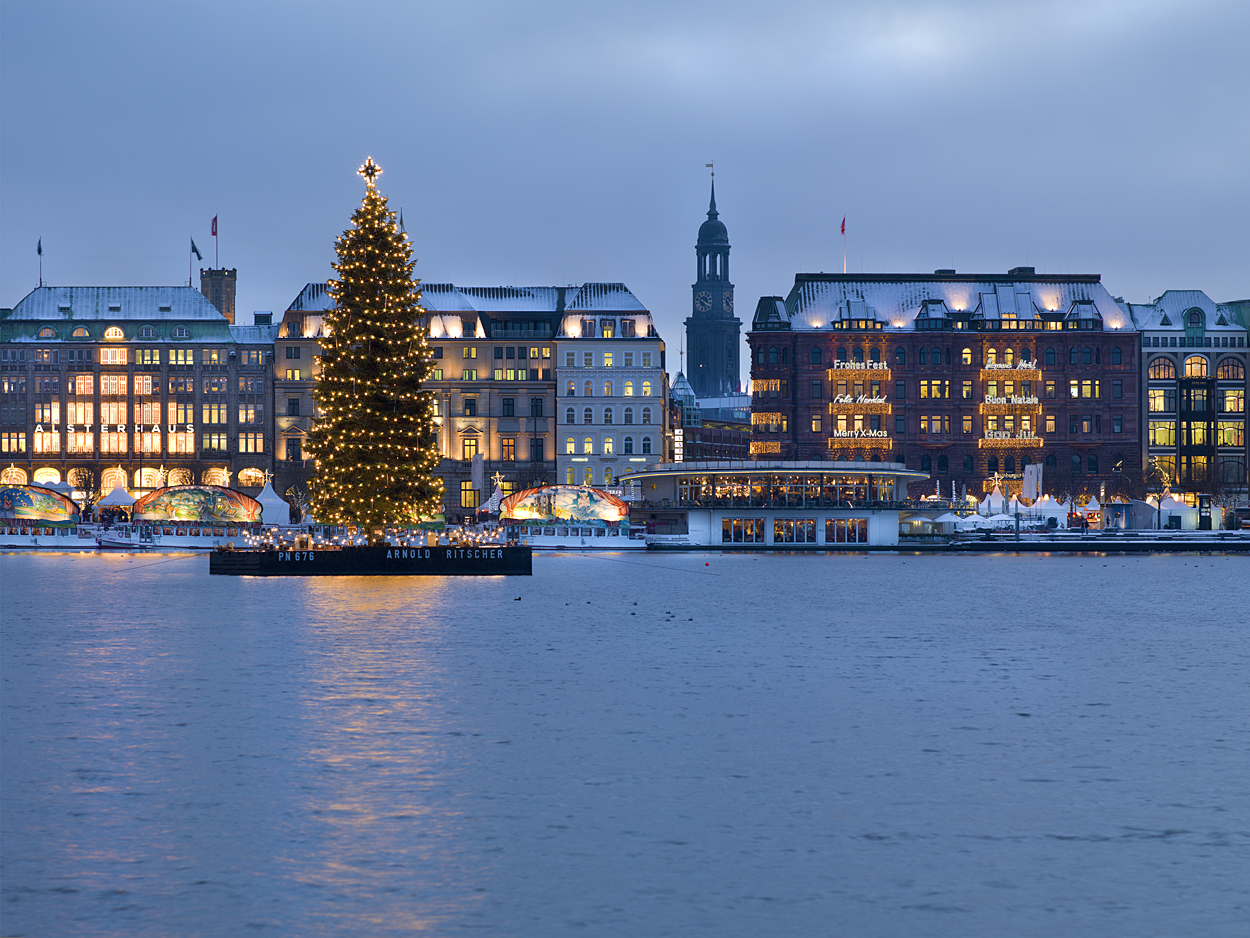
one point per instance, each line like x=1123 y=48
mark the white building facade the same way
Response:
x=612 y=389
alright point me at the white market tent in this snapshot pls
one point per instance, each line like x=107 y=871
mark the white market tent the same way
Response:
x=1092 y=505
x=274 y=509
x=994 y=502
x=118 y=498
x=949 y=518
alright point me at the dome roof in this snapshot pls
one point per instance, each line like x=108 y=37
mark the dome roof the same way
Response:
x=713 y=231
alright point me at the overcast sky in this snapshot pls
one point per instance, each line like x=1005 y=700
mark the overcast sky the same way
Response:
x=564 y=142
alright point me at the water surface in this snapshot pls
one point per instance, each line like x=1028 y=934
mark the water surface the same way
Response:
x=720 y=744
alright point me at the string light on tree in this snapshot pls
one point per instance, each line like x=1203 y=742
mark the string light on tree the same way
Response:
x=374 y=439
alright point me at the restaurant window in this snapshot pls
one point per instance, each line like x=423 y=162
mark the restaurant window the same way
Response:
x=742 y=530
x=846 y=531
x=793 y=531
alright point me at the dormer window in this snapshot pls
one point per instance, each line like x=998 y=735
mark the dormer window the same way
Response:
x=65 y=308
x=181 y=332
x=588 y=328
x=165 y=308
x=147 y=332
x=628 y=329
x=608 y=328
x=114 y=334
x=47 y=332
x=115 y=307
x=81 y=333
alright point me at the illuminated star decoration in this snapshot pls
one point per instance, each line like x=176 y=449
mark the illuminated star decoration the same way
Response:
x=370 y=170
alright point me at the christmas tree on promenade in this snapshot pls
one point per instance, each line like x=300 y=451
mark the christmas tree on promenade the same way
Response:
x=374 y=441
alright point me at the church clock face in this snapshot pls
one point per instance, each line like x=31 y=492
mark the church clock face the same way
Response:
x=728 y=301
x=703 y=301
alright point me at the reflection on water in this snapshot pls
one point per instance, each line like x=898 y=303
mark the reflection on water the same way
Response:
x=627 y=745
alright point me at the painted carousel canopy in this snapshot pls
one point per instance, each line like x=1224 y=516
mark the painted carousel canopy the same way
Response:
x=207 y=504
x=36 y=503
x=564 y=503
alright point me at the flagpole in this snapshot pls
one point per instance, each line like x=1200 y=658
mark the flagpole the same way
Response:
x=844 y=244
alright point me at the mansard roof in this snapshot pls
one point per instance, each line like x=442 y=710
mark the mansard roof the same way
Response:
x=112 y=303
x=896 y=301
x=1168 y=312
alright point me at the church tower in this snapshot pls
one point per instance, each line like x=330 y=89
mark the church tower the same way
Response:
x=713 y=331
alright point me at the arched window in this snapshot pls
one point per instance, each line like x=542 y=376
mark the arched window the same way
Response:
x=588 y=389
x=1051 y=462
x=629 y=415
x=646 y=389
x=570 y=445
x=570 y=476
x=588 y=476
x=627 y=446
x=147 y=332
x=15 y=476
x=1009 y=464
x=816 y=356
x=1087 y=356
x=82 y=332
x=900 y=356
x=629 y=389
x=991 y=464
x=111 y=478
x=966 y=356
x=646 y=446
x=588 y=445
x=114 y=333
x=1076 y=465
x=759 y=355
x=248 y=478
x=45 y=476
x=181 y=332
x=942 y=464
x=1093 y=465
x=967 y=464
x=570 y=390
x=179 y=477
x=607 y=415
x=1050 y=356
x=1009 y=357
x=1162 y=369
x=772 y=355
x=1026 y=355
x=607 y=389
x=1073 y=355
x=1195 y=366
x=607 y=475
x=570 y=416
x=1231 y=370
x=859 y=354
x=841 y=354
x=923 y=357
x=1116 y=357
x=785 y=355
x=588 y=416
x=937 y=356
x=874 y=355
x=991 y=356
x=607 y=446
x=926 y=463
x=646 y=415
x=47 y=332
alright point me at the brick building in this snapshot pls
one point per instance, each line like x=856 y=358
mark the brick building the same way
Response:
x=966 y=377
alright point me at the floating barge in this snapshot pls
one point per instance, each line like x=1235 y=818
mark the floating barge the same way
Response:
x=379 y=560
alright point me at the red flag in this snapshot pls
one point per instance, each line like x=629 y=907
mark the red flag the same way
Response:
x=215 y=225
x=843 y=225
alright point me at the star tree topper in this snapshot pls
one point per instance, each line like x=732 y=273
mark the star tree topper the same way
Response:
x=370 y=170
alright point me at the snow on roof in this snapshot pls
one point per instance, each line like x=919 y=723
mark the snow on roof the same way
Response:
x=249 y=335
x=597 y=297
x=1170 y=309
x=314 y=296
x=116 y=303
x=895 y=300
x=614 y=297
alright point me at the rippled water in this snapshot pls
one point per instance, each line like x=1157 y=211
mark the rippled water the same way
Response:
x=630 y=746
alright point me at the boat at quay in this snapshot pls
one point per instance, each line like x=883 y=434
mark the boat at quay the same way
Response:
x=570 y=517
x=377 y=560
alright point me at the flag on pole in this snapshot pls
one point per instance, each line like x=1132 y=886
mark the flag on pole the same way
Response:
x=39 y=247
x=196 y=251
x=214 y=226
x=844 y=224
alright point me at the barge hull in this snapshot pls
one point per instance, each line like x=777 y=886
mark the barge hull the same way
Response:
x=376 y=561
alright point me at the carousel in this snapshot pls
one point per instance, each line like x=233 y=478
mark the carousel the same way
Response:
x=183 y=517
x=569 y=517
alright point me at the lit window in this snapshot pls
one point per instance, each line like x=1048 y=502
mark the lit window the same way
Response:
x=468 y=448
x=629 y=389
x=966 y=356
x=588 y=476
x=607 y=389
x=607 y=446
x=114 y=333
x=570 y=476
x=607 y=359
x=646 y=389
x=81 y=333
x=588 y=445
x=570 y=445
x=588 y=390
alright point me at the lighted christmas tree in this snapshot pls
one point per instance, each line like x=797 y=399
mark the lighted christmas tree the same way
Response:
x=374 y=440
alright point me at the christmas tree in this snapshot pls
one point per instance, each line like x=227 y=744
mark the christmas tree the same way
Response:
x=374 y=441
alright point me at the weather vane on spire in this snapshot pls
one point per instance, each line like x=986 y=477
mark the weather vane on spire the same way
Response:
x=370 y=170
x=709 y=166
